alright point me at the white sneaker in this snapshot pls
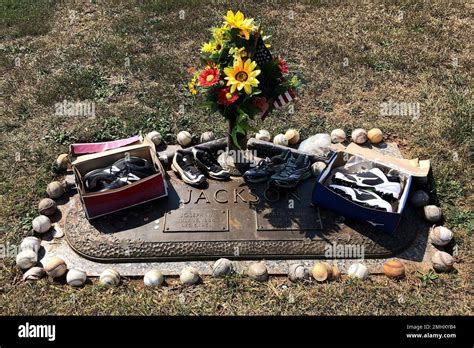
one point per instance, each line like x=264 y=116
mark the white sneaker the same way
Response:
x=363 y=197
x=374 y=179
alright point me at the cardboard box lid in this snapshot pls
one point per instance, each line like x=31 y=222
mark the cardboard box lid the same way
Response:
x=78 y=149
x=412 y=167
x=88 y=157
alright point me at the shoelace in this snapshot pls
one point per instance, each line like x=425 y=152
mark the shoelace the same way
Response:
x=289 y=167
x=264 y=163
x=136 y=165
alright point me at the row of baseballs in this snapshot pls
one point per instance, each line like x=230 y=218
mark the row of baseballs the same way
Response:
x=321 y=272
x=439 y=235
x=291 y=137
x=324 y=271
x=184 y=138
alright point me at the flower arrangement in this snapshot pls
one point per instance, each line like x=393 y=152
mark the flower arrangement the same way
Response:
x=241 y=78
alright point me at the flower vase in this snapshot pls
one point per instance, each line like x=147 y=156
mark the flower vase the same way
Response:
x=241 y=138
x=236 y=158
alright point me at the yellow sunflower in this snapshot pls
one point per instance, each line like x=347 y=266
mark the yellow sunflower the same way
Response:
x=212 y=47
x=242 y=75
x=238 y=21
x=207 y=47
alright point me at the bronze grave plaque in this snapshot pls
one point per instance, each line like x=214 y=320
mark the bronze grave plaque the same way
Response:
x=197 y=220
x=226 y=219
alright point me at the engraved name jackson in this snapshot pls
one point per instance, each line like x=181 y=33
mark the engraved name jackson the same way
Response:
x=236 y=195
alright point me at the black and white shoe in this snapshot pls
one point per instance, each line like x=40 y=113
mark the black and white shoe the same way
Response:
x=363 y=197
x=373 y=179
x=121 y=173
x=209 y=165
x=183 y=166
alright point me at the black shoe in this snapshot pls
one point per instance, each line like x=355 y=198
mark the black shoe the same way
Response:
x=183 y=166
x=362 y=197
x=209 y=165
x=293 y=172
x=135 y=165
x=122 y=172
x=266 y=168
x=94 y=179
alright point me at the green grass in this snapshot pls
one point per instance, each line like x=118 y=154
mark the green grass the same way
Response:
x=460 y=218
x=407 y=60
x=26 y=17
x=76 y=83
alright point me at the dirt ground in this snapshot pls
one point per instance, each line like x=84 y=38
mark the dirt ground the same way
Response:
x=132 y=60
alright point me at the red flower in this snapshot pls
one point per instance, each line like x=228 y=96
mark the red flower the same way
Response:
x=208 y=77
x=226 y=98
x=283 y=66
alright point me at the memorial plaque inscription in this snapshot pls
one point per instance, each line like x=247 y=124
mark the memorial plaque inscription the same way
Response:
x=197 y=220
x=290 y=220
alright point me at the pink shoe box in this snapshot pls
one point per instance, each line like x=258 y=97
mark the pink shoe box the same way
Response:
x=97 y=204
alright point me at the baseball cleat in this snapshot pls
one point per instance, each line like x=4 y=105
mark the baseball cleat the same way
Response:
x=362 y=197
x=373 y=179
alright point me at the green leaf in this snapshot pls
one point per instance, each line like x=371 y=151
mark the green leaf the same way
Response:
x=204 y=58
x=236 y=130
x=242 y=126
x=237 y=39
